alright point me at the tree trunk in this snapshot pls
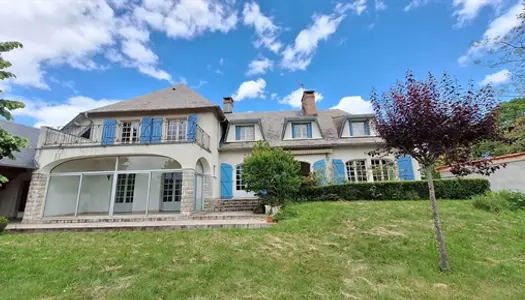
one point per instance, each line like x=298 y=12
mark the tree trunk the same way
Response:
x=443 y=256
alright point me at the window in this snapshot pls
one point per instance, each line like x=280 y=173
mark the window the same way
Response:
x=239 y=183
x=382 y=170
x=125 y=188
x=176 y=130
x=172 y=187
x=245 y=133
x=130 y=132
x=300 y=131
x=359 y=128
x=356 y=171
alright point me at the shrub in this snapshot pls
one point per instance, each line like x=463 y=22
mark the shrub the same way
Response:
x=396 y=190
x=498 y=201
x=3 y=223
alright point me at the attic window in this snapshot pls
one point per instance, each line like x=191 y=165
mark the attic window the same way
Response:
x=301 y=130
x=359 y=128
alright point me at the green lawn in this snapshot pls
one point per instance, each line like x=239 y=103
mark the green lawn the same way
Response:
x=357 y=250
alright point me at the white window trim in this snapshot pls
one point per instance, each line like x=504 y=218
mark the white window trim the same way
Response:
x=346 y=129
x=121 y=131
x=165 y=130
x=241 y=137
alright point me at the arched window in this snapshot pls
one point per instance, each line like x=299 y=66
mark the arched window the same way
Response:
x=356 y=171
x=383 y=170
x=239 y=183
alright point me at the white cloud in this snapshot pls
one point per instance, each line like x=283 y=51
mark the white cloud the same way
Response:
x=274 y=96
x=188 y=18
x=294 y=98
x=467 y=10
x=496 y=78
x=354 y=105
x=58 y=114
x=380 y=5
x=265 y=29
x=259 y=66
x=414 y=4
x=497 y=29
x=201 y=83
x=299 y=55
x=250 y=90
x=358 y=6
x=221 y=61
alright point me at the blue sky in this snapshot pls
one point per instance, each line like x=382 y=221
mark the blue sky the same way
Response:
x=83 y=54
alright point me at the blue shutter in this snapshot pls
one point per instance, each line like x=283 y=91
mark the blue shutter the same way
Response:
x=309 y=130
x=226 y=181
x=237 y=133
x=108 y=131
x=320 y=170
x=351 y=129
x=406 y=171
x=156 y=131
x=367 y=128
x=293 y=130
x=145 y=130
x=192 y=127
x=339 y=171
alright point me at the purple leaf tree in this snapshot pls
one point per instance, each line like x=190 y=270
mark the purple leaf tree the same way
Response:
x=431 y=120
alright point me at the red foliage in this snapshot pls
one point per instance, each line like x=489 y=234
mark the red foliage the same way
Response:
x=430 y=121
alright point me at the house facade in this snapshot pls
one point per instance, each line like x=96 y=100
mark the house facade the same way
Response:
x=172 y=152
x=13 y=194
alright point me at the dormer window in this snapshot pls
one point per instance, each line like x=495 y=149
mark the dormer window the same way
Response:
x=301 y=130
x=245 y=132
x=359 y=128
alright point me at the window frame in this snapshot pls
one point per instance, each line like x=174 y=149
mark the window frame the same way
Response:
x=294 y=130
x=359 y=121
x=181 y=131
x=356 y=173
x=134 y=137
x=125 y=192
x=171 y=188
x=386 y=168
x=242 y=137
x=240 y=185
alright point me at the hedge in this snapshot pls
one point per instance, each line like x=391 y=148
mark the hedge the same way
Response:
x=396 y=190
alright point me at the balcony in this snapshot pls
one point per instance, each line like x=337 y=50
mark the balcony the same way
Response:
x=126 y=133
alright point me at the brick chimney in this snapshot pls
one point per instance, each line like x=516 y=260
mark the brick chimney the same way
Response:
x=308 y=103
x=227 y=106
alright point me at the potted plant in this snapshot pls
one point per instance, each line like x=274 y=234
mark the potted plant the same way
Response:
x=3 y=223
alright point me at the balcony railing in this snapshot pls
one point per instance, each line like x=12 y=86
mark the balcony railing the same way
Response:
x=127 y=134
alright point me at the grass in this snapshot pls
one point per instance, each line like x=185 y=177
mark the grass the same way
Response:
x=352 y=250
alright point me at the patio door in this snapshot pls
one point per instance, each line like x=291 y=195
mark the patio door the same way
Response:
x=125 y=193
x=198 y=204
x=171 y=192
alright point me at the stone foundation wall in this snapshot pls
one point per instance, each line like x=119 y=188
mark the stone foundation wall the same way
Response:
x=35 y=198
x=188 y=192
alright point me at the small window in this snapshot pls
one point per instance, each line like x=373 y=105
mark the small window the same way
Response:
x=356 y=171
x=172 y=187
x=176 y=130
x=359 y=128
x=382 y=170
x=125 y=188
x=239 y=183
x=129 y=132
x=245 y=133
x=300 y=131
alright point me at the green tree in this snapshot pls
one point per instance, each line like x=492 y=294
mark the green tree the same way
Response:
x=273 y=171
x=8 y=143
x=511 y=120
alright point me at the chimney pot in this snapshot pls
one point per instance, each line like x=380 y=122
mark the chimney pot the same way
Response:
x=227 y=106
x=308 y=103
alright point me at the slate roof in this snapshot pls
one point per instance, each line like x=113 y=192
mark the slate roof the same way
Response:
x=179 y=96
x=330 y=122
x=26 y=157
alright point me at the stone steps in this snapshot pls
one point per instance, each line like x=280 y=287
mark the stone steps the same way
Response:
x=138 y=226
x=232 y=205
x=229 y=215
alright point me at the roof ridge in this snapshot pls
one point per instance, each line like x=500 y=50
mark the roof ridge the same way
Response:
x=19 y=124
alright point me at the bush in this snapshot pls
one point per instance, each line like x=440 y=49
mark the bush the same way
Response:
x=498 y=201
x=396 y=190
x=3 y=223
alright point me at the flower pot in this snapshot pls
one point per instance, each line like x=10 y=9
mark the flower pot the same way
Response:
x=269 y=219
x=267 y=209
x=276 y=209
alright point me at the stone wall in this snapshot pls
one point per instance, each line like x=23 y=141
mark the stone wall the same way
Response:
x=218 y=205
x=35 y=198
x=188 y=192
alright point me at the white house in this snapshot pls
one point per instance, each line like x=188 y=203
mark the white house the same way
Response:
x=172 y=152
